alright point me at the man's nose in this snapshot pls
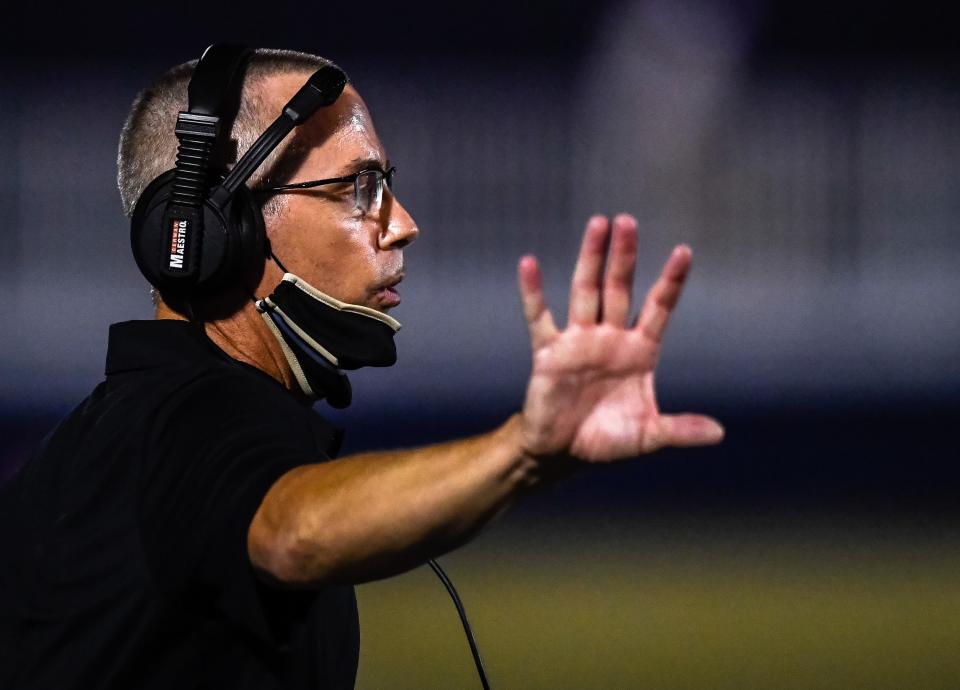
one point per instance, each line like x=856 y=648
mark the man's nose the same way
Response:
x=401 y=229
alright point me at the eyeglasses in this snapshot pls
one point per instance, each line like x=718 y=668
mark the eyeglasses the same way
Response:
x=367 y=187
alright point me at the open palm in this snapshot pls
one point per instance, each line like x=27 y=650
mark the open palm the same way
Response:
x=591 y=393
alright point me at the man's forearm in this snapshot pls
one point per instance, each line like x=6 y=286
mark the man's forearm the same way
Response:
x=374 y=515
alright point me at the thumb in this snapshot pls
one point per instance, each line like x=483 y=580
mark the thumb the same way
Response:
x=690 y=430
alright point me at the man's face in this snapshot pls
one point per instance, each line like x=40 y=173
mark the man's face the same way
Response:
x=320 y=235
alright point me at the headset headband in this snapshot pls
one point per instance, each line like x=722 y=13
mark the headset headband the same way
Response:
x=214 y=78
x=212 y=85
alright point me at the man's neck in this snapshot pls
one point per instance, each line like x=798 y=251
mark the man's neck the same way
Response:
x=245 y=338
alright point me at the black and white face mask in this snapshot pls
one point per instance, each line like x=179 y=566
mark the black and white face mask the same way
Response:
x=321 y=336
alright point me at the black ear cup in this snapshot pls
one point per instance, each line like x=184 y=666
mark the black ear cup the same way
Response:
x=232 y=249
x=248 y=230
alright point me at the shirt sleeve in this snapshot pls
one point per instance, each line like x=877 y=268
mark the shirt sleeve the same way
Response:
x=216 y=449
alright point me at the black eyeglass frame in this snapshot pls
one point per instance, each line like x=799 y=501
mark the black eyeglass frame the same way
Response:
x=383 y=177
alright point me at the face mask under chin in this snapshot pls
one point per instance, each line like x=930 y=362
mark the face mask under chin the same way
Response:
x=322 y=336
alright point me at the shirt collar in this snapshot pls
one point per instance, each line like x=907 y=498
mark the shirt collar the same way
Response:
x=144 y=345
x=137 y=345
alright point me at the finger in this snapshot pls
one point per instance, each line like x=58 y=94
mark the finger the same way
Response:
x=663 y=296
x=689 y=430
x=539 y=319
x=618 y=282
x=585 y=286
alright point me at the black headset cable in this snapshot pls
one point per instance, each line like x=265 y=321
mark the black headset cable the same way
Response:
x=463 y=619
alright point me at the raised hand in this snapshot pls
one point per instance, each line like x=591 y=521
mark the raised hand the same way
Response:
x=591 y=392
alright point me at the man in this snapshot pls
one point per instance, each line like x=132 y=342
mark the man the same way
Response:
x=185 y=526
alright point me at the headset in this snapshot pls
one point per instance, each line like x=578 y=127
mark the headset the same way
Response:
x=197 y=227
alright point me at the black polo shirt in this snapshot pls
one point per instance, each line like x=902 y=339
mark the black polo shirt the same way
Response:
x=123 y=542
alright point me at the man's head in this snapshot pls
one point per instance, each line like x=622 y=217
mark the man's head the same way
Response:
x=318 y=234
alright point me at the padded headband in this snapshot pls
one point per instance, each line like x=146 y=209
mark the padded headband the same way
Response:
x=214 y=79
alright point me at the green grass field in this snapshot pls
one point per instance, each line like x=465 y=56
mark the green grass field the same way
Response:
x=564 y=604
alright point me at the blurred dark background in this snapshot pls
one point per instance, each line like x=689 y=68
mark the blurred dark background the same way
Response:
x=806 y=150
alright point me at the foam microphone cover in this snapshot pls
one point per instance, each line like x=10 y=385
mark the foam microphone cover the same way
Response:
x=323 y=88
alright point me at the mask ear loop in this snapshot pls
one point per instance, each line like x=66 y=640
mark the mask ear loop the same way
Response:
x=268 y=253
x=276 y=260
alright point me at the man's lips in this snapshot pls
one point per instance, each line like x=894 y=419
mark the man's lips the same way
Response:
x=387 y=293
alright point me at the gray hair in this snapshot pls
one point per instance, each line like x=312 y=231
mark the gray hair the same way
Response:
x=148 y=145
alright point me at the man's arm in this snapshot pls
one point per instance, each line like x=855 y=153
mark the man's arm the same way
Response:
x=590 y=399
x=374 y=515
